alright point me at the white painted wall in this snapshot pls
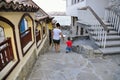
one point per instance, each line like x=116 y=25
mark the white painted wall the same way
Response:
x=72 y=10
x=97 y=5
x=86 y=17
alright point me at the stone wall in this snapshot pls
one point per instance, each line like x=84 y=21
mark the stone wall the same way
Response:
x=87 y=51
x=45 y=47
x=29 y=63
x=26 y=69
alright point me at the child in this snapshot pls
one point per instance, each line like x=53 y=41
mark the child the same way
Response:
x=69 y=45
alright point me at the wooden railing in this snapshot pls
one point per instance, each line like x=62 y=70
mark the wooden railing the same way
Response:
x=43 y=30
x=26 y=37
x=6 y=53
x=38 y=37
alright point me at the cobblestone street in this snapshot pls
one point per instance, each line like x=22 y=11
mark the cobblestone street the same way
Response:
x=73 y=66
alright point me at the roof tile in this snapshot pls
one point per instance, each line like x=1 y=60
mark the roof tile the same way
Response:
x=18 y=5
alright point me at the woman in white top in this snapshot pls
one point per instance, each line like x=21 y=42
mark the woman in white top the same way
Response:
x=56 y=37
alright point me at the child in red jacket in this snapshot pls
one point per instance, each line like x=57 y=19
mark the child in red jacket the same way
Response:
x=69 y=45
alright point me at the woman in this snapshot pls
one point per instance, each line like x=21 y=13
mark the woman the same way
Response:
x=56 y=37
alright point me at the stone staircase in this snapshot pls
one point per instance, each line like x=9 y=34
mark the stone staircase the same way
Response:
x=104 y=33
x=112 y=40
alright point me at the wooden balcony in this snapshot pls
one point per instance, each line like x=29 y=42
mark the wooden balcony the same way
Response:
x=26 y=37
x=6 y=53
x=43 y=30
x=38 y=36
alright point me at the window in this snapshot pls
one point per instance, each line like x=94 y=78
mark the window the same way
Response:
x=6 y=51
x=23 y=25
x=38 y=35
x=26 y=32
x=8 y=46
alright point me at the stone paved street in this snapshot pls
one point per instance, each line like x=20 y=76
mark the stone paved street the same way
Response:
x=73 y=66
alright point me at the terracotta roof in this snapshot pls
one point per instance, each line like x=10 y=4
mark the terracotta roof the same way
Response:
x=18 y=5
x=40 y=15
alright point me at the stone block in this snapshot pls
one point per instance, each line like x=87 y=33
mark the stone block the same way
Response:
x=84 y=49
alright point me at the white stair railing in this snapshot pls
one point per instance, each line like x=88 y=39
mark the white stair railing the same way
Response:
x=101 y=34
x=99 y=28
x=117 y=22
x=113 y=18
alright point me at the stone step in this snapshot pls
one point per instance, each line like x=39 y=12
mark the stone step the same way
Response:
x=110 y=50
x=111 y=32
x=92 y=29
x=110 y=44
x=106 y=23
x=110 y=28
x=109 y=37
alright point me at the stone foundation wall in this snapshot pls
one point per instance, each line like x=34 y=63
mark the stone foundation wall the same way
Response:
x=87 y=51
x=45 y=47
x=26 y=69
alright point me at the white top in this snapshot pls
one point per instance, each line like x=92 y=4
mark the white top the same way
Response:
x=56 y=33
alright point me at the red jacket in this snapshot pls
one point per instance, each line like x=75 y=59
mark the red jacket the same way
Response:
x=69 y=43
